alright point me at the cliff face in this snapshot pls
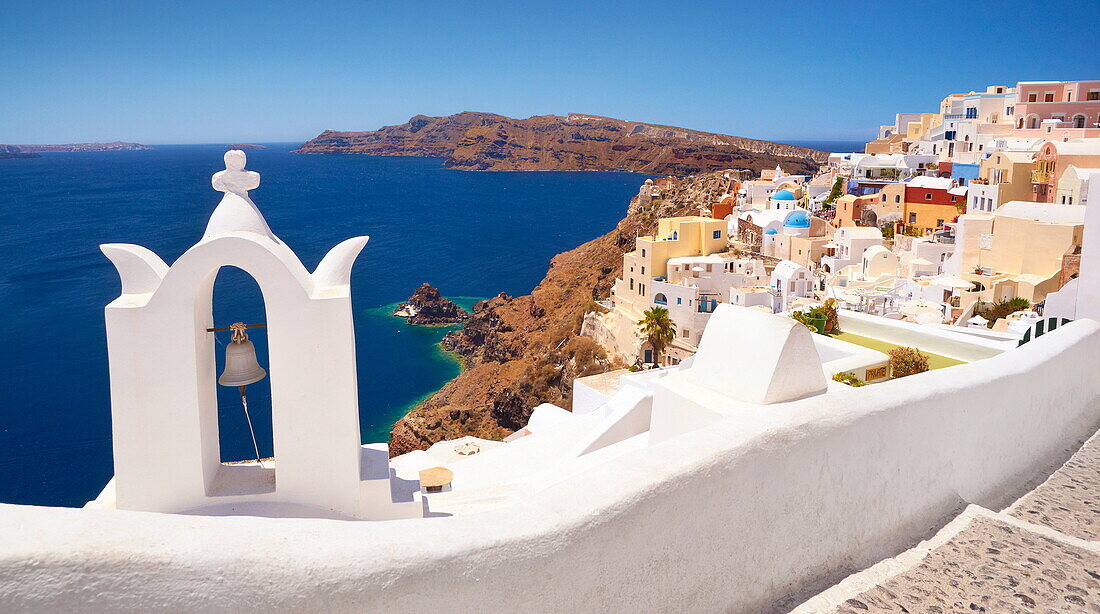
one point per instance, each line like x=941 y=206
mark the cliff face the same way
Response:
x=486 y=141
x=523 y=351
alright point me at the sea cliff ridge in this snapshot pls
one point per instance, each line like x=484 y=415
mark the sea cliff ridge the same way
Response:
x=487 y=141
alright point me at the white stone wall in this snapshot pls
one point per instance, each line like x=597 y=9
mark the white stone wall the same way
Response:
x=734 y=518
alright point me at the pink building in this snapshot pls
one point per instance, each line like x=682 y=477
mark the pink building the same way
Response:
x=1057 y=110
x=1053 y=160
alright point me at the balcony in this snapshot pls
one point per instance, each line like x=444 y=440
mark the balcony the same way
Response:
x=1040 y=176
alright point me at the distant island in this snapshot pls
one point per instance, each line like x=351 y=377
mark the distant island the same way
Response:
x=8 y=152
x=245 y=146
x=114 y=146
x=486 y=141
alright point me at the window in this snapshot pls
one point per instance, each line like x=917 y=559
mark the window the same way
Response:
x=679 y=300
x=631 y=283
x=1094 y=95
x=897 y=198
x=1079 y=121
x=939 y=223
x=685 y=333
x=1048 y=97
x=971 y=113
x=1031 y=97
x=708 y=268
x=912 y=218
x=1009 y=110
x=927 y=196
x=954 y=199
x=717 y=234
x=641 y=288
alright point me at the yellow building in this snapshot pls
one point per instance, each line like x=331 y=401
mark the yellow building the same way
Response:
x=676 y=237
x=916 y=130
x=890 y=201
x=1010 y=171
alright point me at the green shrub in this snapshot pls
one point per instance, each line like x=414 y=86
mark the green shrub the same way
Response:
x=847 y=378
x=907 y=361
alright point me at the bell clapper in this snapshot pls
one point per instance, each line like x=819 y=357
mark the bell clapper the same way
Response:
x=244 y=403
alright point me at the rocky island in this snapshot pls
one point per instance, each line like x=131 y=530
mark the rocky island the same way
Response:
x=521 y=351
x=71 y=147
x=245 y=146
x=428 y=306
x=486 y=141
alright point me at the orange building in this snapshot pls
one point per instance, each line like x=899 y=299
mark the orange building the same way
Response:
x=721 y=209
x=850 y=209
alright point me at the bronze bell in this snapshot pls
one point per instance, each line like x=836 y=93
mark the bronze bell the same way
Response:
x=241 y=366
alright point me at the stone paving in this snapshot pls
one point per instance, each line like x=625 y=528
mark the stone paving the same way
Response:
x=991 y=566
x=1068 y=502
x=1041 y=555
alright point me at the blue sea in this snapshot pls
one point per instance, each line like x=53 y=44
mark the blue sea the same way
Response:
x=470 y=234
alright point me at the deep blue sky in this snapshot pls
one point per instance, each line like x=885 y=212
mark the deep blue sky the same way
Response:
x=187 y=72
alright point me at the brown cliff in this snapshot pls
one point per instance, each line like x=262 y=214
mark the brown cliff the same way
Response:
x=526 y=350
x=486 y=141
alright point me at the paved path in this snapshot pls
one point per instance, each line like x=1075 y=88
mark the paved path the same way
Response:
x=1040 y=555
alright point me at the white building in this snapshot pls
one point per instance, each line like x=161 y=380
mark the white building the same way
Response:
x=848 y=246
x=791 y=281
x=1073 y=187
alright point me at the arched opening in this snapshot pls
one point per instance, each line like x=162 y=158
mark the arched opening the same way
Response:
x=660 y=299
x=237 y=298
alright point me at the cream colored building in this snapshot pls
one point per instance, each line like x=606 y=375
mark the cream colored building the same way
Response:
x=1004 y=176
x=1073 y=187
x=1020 y=250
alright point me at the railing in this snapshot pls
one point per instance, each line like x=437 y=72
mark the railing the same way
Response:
x=1040 y=176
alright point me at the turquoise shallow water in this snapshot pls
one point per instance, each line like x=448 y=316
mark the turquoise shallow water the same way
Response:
x=469 y=234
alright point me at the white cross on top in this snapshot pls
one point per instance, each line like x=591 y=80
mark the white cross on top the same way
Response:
x=234 y=178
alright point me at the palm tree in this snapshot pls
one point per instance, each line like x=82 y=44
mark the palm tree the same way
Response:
x=659 y=330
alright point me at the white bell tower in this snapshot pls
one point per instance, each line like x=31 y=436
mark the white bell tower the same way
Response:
x=162 y=368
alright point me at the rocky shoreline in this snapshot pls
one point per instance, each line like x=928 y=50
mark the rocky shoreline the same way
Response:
x=521 y=351
x=487 y=141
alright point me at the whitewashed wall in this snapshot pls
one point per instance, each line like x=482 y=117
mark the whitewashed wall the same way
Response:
x=731 y=518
